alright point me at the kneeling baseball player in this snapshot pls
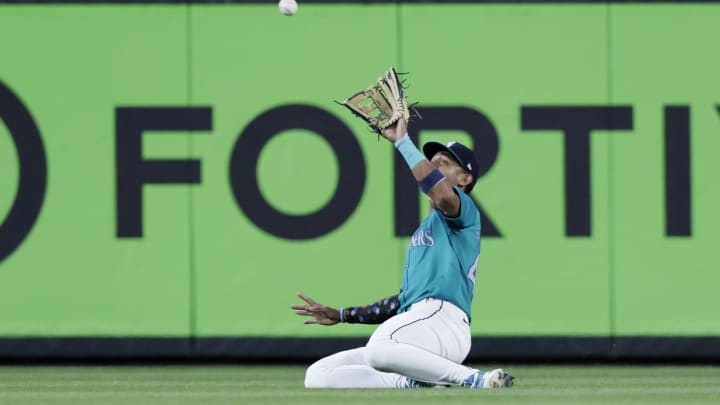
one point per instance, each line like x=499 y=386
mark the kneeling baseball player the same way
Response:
x=424 y=332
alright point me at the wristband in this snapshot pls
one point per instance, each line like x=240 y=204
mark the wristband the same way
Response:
x=431 y=180
x=342 y=315
x=409 y=151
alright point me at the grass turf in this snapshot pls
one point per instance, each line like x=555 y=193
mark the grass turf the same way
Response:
x=283 y=385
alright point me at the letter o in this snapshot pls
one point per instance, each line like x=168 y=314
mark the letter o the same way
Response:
x=244 y=162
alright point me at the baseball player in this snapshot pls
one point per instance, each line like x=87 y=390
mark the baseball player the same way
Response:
x=424 y=331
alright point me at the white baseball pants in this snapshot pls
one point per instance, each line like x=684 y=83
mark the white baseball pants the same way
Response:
x=427 y=343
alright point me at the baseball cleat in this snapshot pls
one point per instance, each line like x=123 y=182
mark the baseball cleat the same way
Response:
x=497 y=378
x=411 y=383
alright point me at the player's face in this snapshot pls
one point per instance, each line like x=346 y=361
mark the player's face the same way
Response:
x=453 y=172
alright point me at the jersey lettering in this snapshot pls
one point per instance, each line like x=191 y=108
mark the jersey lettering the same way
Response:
x=472 y=273
x=423 y=237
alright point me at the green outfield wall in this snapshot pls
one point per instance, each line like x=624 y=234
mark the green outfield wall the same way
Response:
x=181 y=170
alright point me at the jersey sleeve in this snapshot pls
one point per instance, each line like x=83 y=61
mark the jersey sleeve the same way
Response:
x=468 y=215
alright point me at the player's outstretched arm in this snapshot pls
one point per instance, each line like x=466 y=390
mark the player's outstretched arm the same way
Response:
x=373 y=313
x=321 y=314
x=428 y=176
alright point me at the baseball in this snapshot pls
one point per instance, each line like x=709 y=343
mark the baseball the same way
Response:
x=288 y=7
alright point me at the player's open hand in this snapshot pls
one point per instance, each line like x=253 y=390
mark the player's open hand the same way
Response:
x=320 y=314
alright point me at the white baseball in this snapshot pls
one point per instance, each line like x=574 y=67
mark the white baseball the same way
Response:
x=288 y=7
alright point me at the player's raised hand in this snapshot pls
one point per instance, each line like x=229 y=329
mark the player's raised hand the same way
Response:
x=395 y=132
x=320 y=314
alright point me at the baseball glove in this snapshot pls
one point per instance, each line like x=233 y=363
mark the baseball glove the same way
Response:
x=381 y=105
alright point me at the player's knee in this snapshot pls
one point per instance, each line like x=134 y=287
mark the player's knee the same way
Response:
x=376 y=357
x=315 y=376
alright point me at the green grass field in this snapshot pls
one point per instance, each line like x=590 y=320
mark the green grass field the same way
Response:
x=283 y=385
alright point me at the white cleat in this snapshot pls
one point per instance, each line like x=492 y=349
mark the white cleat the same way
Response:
x=497 y=378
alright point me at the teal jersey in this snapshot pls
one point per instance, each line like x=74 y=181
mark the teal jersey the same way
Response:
x=442 y=258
